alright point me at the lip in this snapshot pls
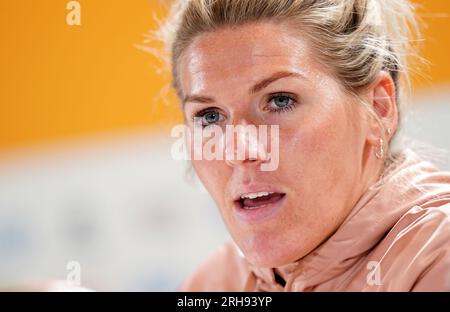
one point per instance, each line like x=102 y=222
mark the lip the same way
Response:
x=258 y=214
x=255 y=188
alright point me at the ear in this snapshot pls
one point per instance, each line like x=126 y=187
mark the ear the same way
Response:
x=382 y=97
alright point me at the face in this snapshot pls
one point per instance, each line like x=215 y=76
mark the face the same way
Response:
x=265 y=74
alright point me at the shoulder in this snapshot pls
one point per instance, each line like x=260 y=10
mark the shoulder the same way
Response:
x=223 y=270
x=435 y=226
x=425 y=223
x=418 y=248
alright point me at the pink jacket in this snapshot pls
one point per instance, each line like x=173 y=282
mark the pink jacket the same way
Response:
x=396 y=238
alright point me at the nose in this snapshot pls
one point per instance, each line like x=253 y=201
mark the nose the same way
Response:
x=245 y=144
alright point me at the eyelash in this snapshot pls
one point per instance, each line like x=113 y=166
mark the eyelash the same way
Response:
x=290 y=107
x=203 y=112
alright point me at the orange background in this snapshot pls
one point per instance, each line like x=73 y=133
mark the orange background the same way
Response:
x=60 y=82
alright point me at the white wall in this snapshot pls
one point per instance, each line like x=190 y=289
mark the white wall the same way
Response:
x=122 y=209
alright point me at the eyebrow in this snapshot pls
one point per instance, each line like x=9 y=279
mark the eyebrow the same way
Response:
x=264 y=83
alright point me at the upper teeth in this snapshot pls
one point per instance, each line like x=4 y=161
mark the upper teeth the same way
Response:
x=255 y=195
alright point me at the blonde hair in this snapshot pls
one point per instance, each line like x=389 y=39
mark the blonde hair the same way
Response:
x=356 y=39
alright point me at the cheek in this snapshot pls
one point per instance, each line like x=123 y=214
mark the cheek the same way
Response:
x=312 y=142
x=318 y=154
x=207 y=171
x=214 y=177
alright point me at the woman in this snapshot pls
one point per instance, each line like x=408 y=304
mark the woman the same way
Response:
x=341 y=211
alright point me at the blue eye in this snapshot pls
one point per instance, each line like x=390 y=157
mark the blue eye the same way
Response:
x=209 y=117
x=281 y=103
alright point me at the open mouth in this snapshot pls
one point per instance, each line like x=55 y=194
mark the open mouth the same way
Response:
x=258 y=200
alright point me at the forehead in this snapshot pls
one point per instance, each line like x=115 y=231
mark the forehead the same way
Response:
x=243 y=55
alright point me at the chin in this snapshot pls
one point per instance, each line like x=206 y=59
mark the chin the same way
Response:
x=269 y=253
x=267 y=260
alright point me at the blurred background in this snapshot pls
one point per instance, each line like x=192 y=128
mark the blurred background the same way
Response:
x=85 y=168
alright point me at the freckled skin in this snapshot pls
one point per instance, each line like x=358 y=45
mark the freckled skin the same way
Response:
x=326 y=159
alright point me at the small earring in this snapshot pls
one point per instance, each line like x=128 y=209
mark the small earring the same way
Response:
x=380 y=154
